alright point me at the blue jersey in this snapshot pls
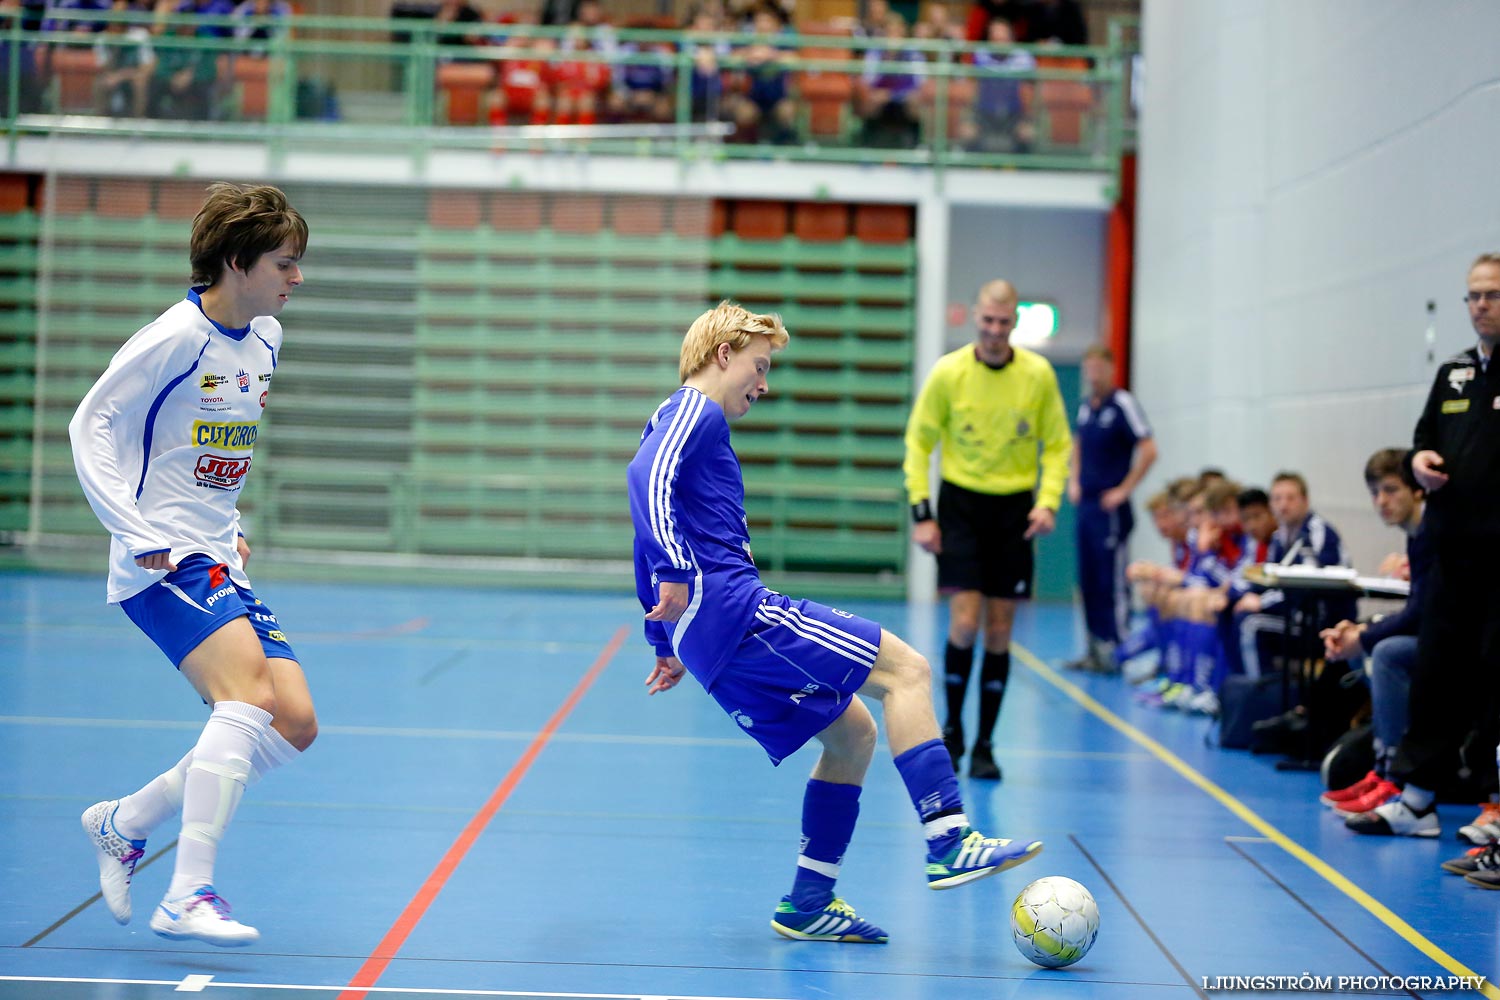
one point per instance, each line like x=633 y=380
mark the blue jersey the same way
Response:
x=1107 y=436
x=687 y=502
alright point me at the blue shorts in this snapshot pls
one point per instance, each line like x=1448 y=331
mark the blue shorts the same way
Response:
x=795 y=671
x=196 y=599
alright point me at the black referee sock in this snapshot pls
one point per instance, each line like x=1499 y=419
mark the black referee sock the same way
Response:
x=957 y=665
x=993 y=676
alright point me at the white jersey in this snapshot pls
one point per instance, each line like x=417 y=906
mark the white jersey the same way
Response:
x=163 y=440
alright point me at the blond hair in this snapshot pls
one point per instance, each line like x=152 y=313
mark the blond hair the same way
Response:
x=998 y=292
x=726 y=323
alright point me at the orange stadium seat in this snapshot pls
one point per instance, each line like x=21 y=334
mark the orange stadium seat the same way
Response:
x=454 y=209
x=760 y=220
x=578 y=213
x=74 y=70
x=1066 y=104
x=252 y=82
x=882 y=223
x=462 y=86
x=639 y=216
x=179 y=199
x=820 y=221
x=123 y=198
x=515 y=212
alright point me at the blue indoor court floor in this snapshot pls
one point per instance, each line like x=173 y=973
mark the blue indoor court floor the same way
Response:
x=495 y=808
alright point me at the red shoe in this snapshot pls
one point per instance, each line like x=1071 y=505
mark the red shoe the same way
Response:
x=1358 y=790
x=1382 y=793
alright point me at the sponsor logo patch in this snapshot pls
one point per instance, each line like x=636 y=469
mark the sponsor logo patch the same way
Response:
x=211 y=382
x=1455 y=405
x=1459 y=376
x=218 y=595
x=231 y=435
x=219 y=472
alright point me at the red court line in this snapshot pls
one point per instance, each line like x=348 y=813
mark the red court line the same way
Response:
x=394 y=938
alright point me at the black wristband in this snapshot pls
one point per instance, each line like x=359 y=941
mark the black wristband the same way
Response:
x=921 y=511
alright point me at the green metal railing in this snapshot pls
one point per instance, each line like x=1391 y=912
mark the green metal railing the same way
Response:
x=1078 y=117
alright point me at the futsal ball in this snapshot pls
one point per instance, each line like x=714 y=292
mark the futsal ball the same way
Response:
x=1054 y=921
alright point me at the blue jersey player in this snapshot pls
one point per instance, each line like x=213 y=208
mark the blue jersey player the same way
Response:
x=785 y=670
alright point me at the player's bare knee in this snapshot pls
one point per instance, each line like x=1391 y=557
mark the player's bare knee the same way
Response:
x=299 y=728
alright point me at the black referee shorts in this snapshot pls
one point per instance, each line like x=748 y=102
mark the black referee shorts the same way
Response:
x=985 y=547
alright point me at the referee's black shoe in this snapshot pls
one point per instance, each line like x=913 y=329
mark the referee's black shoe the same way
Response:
x=982 y=763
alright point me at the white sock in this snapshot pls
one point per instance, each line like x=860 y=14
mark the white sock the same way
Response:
x=161 y=798
x=154 y=804
x=1417 y=799
x=216 y=779
x=274 y=751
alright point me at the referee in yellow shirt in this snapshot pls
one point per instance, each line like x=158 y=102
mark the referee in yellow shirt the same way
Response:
x=998 y=414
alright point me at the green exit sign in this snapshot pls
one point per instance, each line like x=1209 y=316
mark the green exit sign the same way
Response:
x=1036 y=323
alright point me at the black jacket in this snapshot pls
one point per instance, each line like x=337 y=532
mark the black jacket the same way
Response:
x=1461 y=422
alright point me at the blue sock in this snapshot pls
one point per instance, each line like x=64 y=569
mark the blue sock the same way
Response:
x=1201 y=641
x=828 y=814
x=928 y=772
x=1142 y=639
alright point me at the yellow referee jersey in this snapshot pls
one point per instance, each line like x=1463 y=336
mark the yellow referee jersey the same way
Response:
x=996 y=427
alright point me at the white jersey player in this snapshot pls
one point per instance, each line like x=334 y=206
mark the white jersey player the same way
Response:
x=162 y=444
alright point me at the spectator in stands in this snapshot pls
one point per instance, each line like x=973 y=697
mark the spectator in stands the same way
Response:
x=559 y=12
x=1389 y=644
x=261 y=20
x=1455 y=694
x=182 y=82
x=581 y=85
x=889 y=89
x=523 y=93
x=125 y=65
x=1058 y=22
x=1001 y=124
x=68 y=15
x=707 y=53
x=767 y=79
x=871 y=24
x=644 y=90
x=23 y=57
x=209 y=8
x=451 y=14
x=939 y=24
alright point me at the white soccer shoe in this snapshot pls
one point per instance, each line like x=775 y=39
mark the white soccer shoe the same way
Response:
x=202 y=916
x=117 y=857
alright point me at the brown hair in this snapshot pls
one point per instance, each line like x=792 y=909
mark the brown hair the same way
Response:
x=237 y=225
x=1218 y=495
x=1291 y=477
x=726 y=323
x=1390 y=462
x=1099 y=351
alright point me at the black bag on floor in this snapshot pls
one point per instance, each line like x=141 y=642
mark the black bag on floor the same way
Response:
x=1244 y=701
x=1349 y=759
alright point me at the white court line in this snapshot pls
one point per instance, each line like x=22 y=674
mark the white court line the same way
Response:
x=368 y=989
x=504 y=735
x=193 y=984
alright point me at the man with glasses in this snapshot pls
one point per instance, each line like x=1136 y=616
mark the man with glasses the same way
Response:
x=1455 y=691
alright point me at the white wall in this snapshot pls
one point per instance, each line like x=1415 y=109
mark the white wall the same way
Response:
x=1053 y=255
x=1312 y=173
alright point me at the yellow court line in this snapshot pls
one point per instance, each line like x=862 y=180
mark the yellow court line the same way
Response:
x=1376 y=908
